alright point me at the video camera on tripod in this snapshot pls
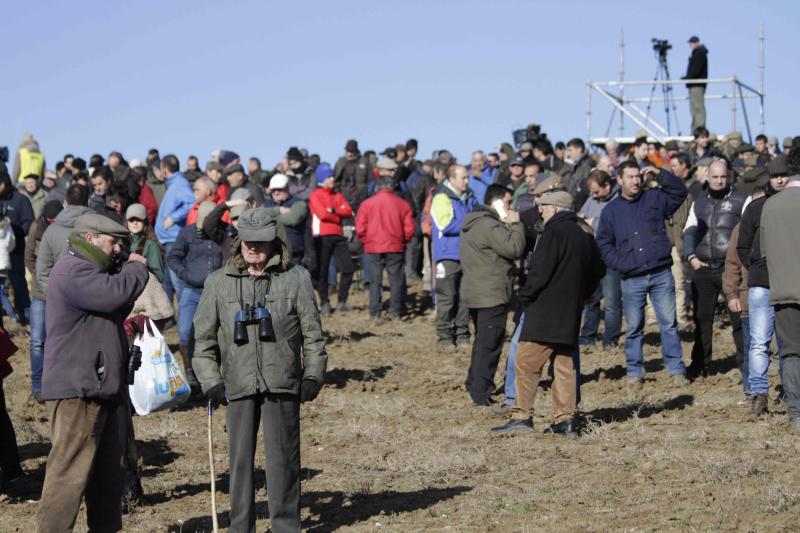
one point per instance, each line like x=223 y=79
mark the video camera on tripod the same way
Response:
x=661 y=46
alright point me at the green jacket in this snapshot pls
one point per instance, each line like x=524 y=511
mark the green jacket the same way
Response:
x=152 y=252
x=259 y=366
x=780 y=219
x=488 y=251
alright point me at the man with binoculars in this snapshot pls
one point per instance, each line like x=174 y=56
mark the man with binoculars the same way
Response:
x=259 y=349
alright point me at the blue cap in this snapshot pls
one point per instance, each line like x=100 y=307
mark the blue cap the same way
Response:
x=517 y=161
x=324 y=171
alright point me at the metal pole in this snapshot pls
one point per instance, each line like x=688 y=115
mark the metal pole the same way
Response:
x=589 y=111
x=733 y=103
x=622 y=80
x=761 y=68
x=746 y=119
x=613 y=101
x=214 y=523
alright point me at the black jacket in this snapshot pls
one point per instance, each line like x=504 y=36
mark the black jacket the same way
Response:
x=566 y=270
x=749 y=246
x=711 y=221
x=698 y=66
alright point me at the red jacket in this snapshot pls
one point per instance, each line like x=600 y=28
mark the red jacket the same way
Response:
x=148 y=200
x=384 y=223
x=323 y=222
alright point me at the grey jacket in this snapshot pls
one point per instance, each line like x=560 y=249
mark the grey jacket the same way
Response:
x=86 y=353
x=54 y=242
x=780 y=244
x=278 y=366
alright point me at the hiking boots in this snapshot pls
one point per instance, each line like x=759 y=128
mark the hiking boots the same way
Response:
x=344 y=307
x=514 y=426
x=759 y=405
x=325 y=309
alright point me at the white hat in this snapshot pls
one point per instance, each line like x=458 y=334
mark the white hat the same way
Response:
x=135 y=162
x=278 y=181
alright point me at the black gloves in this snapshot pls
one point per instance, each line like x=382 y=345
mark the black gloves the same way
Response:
x=216 y=395
x=309 y=389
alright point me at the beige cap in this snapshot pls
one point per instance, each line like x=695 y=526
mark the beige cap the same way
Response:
x=556 y=198
x=99 y=225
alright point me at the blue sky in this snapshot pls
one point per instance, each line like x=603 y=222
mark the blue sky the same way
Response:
x=258 y=77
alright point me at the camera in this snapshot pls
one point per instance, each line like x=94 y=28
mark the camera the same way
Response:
x=134 y=362
x=661 y=46
x=252 y=315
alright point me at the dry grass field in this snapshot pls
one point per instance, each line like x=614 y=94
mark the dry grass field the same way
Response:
x=393 y=444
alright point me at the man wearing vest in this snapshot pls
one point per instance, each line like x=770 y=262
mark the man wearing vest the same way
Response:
x=712 y=217
x=28 y=160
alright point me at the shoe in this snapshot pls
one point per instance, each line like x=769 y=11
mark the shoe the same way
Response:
x=344 y=307
x=501 y=410
x=694 y=372
x=16 y=485
x=747 y=400
x=568 y=428
x=448 y=347
x=635 y=381
x=611 y=346
x=514 y=426
x=395 y=318
x=325 y=309
x=679 y=380
x=759 y=405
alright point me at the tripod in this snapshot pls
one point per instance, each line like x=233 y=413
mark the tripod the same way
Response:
x=662 y=73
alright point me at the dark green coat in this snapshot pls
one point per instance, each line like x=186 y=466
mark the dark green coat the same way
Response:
x=299 y=350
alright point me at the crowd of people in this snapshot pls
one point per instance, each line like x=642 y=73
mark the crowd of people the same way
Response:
x=243 y=260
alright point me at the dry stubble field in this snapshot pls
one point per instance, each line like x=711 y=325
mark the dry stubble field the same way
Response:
x=393 y=444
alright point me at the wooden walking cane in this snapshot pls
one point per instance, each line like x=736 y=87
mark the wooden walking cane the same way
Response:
x=213 y=475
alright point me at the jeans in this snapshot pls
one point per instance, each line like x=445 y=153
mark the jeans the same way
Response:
x=169 y=285
x=660 y=285
x=7 y=307
x=744 y=365
x=611 y=292
x=393 y=263
x=37 y=343
x=762 y=327
x=22 y=299
x=187 y=303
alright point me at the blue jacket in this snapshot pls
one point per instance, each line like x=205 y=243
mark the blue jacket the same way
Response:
x=632 y=235
x=194 y=257
x=176 y=203
x=479 y=185
x=447 y=213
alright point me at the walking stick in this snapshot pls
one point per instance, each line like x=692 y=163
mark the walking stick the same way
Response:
x=213 y=475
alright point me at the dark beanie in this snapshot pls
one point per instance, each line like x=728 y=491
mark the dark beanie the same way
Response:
x=51 y=209
x=351 y=146
x=294 y=154
x=227 y=157
x=778 y=166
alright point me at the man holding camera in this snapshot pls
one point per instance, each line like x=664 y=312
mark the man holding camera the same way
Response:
x=84 y=378
x=256 y=316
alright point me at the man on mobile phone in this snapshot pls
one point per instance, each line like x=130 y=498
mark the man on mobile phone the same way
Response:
x=492 y=239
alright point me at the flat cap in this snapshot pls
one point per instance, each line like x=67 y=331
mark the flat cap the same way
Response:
x=752 y=179
x=556 y=198
x=553 y=183
x=744 y=148
x=99 y=225
x=257 y=225
x=778 y=166
x=386 y=163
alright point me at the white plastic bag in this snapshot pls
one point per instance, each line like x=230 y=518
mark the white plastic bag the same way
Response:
x=160 y=383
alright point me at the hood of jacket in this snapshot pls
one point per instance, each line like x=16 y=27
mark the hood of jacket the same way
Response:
x=69 y=216
x=480 y=212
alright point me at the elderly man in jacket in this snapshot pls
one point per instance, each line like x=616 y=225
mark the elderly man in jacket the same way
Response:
x=84 y=379
x=272 y=361
x=567 y=269
x=633 y=239
x=384 y=223
x=492 y=239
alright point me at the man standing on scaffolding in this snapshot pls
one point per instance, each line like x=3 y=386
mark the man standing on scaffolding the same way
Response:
x=697 y=70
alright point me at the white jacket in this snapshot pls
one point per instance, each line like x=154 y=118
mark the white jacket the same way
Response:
x=7 y=243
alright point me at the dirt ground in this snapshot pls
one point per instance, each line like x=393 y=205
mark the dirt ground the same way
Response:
x=393 y=443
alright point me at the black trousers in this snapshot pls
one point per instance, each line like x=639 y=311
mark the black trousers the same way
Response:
x=787 y=326
x=414 y=253
x=706 y=287
x=9 y=455
x=335 y=246
x=490 y=332
x=393 y=263
x=280 y=415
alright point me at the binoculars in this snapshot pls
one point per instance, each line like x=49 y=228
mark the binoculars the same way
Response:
x=252 y=315
x=134 y=362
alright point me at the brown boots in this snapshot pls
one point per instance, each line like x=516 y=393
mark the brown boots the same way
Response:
x=759 y=405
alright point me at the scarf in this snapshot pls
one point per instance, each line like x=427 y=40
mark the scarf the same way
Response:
x=91 y=253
